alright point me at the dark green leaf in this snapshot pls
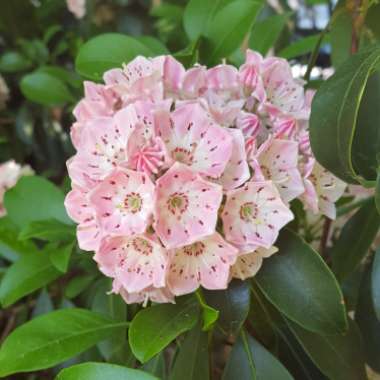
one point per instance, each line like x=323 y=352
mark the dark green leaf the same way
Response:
x=48 y=230
x=192 y=361
x=210 y=315
x=53 y=338
x=333 y=122
x=198 y=14
x=43 y=304
x=31 y=272
x=60 y=256
x=78 y=284
x=13 y=61
x=250 y=360
x=367 y=321
x=339 y=357
x=375 y=281
x=303 y=46
x=45 y=89
x=156 y=366
x=341 y=34
x=154 y=328
x=266 y=32
x=102 y=371
x=355 y=239
x=232 y=304
x=107 y=51
x=377 y=192
x=153 y=44
x=299 y=283
x=35 y=198
x=228 y=28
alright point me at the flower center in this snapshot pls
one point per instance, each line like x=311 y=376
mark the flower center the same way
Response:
x=133 y=202
x=266 y=172
x=142 y=246
x=182 y=155
x=248 y=211
x=194 y=249
x=178 y=203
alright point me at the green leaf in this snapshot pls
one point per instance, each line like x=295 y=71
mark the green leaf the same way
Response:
x=10 y=248
x=156 y=366
x=31 y=272
x=13 y=61
x=375 y=283
x=48 y=230
x=228 y=29
x=232 y=304
x=45 y=89
x=367 y=321
x=192 y=361
x=339 y=357
x=153 y=44
x=78 y=284
x=265 y=33
x=250 y=360
x=60 y=256
x=209 y=314
x=43 y=304
x=53 y=338
x=341 y=34
x=299 y=283
x=107 y=51
x=377 y=192
x=355 y=240
x=333 y=122
x=198 y=14
x=302 y=46
x=102 y=371
x=154 y=328
x=35 y=198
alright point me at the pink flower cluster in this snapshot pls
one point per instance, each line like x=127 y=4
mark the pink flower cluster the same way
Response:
x=183 y=178
x=10 y=172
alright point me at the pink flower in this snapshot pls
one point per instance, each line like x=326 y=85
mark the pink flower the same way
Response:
x=254 y=214
x=124 y=202
x=136 y=262
x=194 y=82
x=276 y=160
x=322 y=189
x=248 y=264
x=250 y=75
x=186 y=207
x=81 y=211
x=193 y=139
x=237 y=170
x=248 y=123
x=77 y=7
x=157 y=295
x=206 y=262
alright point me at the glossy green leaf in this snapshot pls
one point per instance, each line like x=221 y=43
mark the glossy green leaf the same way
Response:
x=299 y=283
x=59 y=255
x=102 y=371
x=250 y=360
x=53 y=338
x=209 y=314
x=45 y=89
x=78 y=284
x=48 y=230
x=13 y=61
x=33 y=199
x=156 y=366
x=266 y=32
x=153 y=44
x=155 y=327
x=198 y=15
x=333 y=122
x=232 y=304
x=31 y=272
x=375 y=283
x=192 y=362
x=341 y=34
x=303 y=46
x=355 y=240
x=107 y=51
x=367 y=321
x=339 y=357
x=229 y=27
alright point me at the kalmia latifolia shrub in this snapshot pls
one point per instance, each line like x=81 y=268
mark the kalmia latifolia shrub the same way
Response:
x=184 y=178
